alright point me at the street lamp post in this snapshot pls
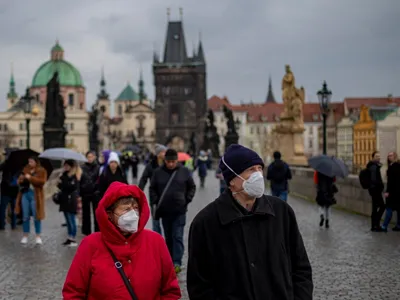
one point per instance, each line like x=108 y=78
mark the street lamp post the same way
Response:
x=324 y=97
x=29 y=111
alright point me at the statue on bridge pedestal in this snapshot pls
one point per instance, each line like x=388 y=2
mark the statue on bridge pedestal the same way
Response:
x=232 y=136
x=288 y=133
x=54 y=131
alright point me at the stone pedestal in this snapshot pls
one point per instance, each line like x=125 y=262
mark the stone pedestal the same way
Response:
x=53 y=137
x=289 y=141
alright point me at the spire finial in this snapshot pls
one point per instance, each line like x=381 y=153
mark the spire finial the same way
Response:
x=181 y=13
x=142 y=94
x=168 y=13
x=12 y=68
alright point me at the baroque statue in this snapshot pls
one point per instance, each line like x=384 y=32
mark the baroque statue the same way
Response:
x=232 y=136
x=293 y=100
x=287 y=136
x=55 y=111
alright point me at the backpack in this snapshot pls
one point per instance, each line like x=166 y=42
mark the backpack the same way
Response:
x=365 y=178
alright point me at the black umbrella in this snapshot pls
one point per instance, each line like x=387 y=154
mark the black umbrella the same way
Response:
x=329 y=165
x=18 y=159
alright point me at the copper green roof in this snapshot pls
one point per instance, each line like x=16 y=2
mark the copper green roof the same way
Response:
x=68 y=75
x=128 y=94
x=57 y=47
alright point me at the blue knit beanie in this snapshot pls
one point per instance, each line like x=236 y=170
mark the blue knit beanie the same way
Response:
x=238 y=158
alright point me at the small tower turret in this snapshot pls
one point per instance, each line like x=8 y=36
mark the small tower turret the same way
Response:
x=12 y=96
x=103 y=100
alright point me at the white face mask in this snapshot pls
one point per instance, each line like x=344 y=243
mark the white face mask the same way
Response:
x=129 y=221
x=254 y=186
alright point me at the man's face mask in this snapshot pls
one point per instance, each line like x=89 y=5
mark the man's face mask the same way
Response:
x=254 y=186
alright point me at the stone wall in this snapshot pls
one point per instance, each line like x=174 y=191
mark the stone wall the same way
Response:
x=351 y=195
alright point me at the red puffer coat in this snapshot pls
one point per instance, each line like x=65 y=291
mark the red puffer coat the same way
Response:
x=144 y=256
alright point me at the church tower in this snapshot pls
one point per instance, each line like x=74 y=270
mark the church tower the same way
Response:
x=103 y=100
x=12 y=96
x=180 y=90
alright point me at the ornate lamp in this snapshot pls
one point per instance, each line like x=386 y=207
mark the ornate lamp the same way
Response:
x=29 y=112
x=324 y=97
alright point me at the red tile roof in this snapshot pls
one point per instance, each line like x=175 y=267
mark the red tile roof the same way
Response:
x=352 y=103
x=270 y=112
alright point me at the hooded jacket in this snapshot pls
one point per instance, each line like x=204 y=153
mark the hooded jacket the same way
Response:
x=144 y=257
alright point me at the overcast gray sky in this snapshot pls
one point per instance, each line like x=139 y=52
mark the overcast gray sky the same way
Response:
x=354 y=45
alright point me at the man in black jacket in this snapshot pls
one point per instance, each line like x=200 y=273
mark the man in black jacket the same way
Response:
x=246 y=245
x=279 y=173
x=155 y=163
x=375 y=190
x=171 y=190
x=90 y=174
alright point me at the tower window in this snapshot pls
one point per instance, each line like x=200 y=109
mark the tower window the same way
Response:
x=37 y=97
x=71 y=99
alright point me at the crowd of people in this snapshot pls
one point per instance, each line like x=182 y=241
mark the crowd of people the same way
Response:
x=244 y=244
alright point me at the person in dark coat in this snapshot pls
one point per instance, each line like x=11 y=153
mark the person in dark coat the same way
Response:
x=392 y=194
x=155 y=163
x=69 y=197
x=246 y=245
x=279 y=173
x=9 y=191
x=90 y=174
x=375 y=190
x=112 y=172
x=170 y=202
x=326 y=190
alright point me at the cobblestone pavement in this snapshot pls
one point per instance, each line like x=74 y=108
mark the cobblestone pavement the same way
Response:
x=349 y=262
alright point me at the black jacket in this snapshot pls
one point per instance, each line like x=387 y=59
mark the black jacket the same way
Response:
x=90 y=174
x=326 y=190
x=7 y=187
x=393 y=186
x=148 y=172
x=259 y=255
x=179 y=194
x=69 y=193
x=279 y=173
x=105 y=180
x=376 y=182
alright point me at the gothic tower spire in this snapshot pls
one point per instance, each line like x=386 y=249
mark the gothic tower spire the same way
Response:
x=200 y=51
x=142 y=94
x=270 y=96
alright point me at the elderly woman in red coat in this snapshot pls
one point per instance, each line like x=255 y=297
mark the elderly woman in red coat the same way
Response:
x=147 y=269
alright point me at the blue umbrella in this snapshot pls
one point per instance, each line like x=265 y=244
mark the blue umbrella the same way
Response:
x=330 y=166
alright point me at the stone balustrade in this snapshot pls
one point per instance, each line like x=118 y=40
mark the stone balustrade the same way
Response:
x=351 y=195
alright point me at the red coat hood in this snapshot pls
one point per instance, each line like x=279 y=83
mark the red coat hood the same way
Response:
x=116 y=191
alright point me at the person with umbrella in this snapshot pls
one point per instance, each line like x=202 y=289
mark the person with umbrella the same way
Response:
x=327 y=168
x=31 y=198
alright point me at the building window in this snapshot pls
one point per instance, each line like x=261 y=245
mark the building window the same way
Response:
x=21 y=143
x=120 y=110
x=37 y=97
x=71 y=99
x=251 y=131
x=5 y=127
x=21 y=126
x=310 y=143
x=71 y=126
x=80 y=105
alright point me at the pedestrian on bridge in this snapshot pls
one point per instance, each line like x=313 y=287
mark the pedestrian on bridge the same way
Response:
x=247 y=245
x=124 y=260
x=30 y=198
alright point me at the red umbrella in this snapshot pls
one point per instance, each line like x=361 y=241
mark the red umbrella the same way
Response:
x=182 y=156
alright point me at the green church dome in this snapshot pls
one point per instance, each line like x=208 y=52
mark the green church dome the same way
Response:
x=68 y=75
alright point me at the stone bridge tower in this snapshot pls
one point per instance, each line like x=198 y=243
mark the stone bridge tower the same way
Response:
x=180 y=90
